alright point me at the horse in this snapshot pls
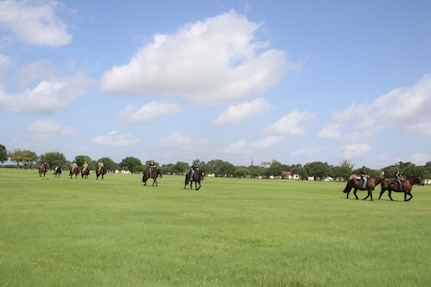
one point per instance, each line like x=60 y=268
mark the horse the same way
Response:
x=100 y=171
x=407 y=184
x=154 y=174
x=57 y=171
x=74 y=171
x=197 y=177
x=43 y=168
x=358 y=183
x=85 y=172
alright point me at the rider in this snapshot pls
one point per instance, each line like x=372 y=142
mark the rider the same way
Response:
x=73 y=165
x=194 y=167
x=151 y=166
x=364 y=176
x=84 y=166
x=399 y=179
x=100 y=163
x=57 y=168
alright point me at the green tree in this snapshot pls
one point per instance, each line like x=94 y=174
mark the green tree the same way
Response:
x=80 y=159
x=241 y=171
x=318 y=169
x=132 y=164
x=108 y=163
x=54 y=158
x=225 y=169
x=3 y=154
x=179 y=167
x=26 y=157
x=344 y=170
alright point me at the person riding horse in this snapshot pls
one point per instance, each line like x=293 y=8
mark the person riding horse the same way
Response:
x=84 y=166
x=194 y=167
x=151 y=167
x=364 y=176
x=399 y=179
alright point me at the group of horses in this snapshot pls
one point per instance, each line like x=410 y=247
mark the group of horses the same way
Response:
x=386 y=185
x=74 y=171
x=100 y=172
x=198 y=176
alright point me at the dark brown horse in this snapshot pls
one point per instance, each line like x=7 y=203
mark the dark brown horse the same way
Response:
x=154 y=174
x=358 y=183
x=85 y=172
x=197 y=177
x=100 y=171
x=43 y=168
x=74 y=171
x=407 y=184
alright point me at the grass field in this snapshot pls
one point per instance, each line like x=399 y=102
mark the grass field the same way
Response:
x=232 y=232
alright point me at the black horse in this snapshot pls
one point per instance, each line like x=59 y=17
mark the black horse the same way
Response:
x=154 y=174
x=85 y=172
x=43 y=169
x=57 y=171
x=100 y=171
x=197 y=177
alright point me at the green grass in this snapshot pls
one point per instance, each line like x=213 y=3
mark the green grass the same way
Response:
x=232 y=232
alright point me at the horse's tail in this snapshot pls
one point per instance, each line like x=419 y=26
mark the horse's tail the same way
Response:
x=346 y=190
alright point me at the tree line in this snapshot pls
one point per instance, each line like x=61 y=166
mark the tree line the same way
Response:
x=317 y=170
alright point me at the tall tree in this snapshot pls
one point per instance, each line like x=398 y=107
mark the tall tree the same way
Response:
x=3 y=154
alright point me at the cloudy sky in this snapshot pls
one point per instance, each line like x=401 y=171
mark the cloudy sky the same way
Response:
x=236 y=80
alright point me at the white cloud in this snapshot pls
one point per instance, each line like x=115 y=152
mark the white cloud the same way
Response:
x=47 y=96
x=402 y=108
x=208 y=63
x=48 y=129
x=331 y=131
x=353 y=151
x=290 y=124
x=237 y=113
x=114 y=138
x=147 y=112
x=243 y=147
x=34 y=24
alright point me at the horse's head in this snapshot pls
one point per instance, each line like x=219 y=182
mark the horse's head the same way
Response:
x=419 y=180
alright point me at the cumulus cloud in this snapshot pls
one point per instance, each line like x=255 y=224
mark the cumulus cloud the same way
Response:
x=147 y=112
x=47 y=129
x=290 y=124
x=115 y=139
x=47 y=97
x=212 y=62
x=243 y=147
x=403 y=108
x=35 y=24
x=235 y=114
x=353 y=151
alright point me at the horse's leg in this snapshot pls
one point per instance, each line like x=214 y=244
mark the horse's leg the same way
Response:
x=409 y=194
x=354 y=193
x=197 y=188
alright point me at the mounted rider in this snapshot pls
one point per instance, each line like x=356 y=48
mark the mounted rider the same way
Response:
x=151 y=167
x=364 y=176
x=73 y=165
x=399 y=179
x=84 y=166
x=194 y=167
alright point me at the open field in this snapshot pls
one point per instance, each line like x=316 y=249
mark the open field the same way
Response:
x=232 y=232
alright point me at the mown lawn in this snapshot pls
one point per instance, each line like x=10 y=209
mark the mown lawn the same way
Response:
x=232 y=232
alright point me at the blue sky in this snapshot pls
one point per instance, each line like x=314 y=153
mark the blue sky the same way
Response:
x=240 y=81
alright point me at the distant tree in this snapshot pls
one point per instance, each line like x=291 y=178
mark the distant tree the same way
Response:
x=108 y=163
x=241 y=171
x=132 y=164
x=344 y=170
x=80 y=159
x=318 y=169
x=26 y=157
x=53 y=158
x=275 y=168
x=299 y=170
x=225 y=169
x=3 y=154
x=179 y=167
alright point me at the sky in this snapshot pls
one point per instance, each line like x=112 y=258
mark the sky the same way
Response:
x=240 y=81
